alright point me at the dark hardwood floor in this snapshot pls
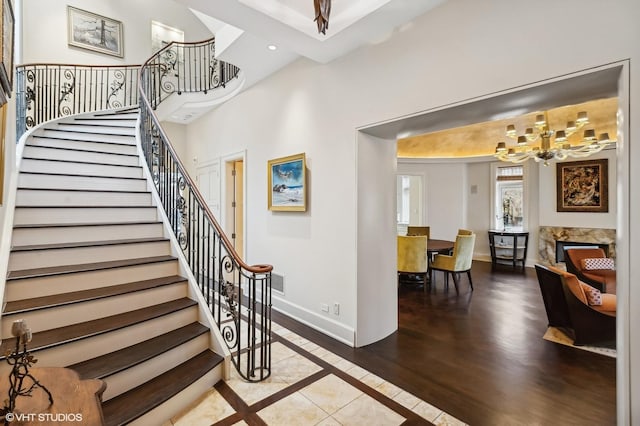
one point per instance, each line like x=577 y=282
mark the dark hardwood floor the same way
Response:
x=480 y=355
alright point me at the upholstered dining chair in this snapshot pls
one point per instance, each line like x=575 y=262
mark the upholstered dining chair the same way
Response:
x=413 y=231
x=464 y=232
x=412 y=257
x=459 y=261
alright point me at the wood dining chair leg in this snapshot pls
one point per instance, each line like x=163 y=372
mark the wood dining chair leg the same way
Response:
x=456 y=278
x=470 y=281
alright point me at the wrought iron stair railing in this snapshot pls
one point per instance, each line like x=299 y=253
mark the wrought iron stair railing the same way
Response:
x=238 y=294
x=49 y=91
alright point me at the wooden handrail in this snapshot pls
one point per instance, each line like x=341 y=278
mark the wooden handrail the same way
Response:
x=260 y=268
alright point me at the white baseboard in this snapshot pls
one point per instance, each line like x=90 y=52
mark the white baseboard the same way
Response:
x=327 y=326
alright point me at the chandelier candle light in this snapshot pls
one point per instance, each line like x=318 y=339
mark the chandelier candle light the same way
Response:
x=561 y=148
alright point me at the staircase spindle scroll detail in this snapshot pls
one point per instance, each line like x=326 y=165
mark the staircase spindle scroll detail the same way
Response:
x=48 y=91
x=238 y=294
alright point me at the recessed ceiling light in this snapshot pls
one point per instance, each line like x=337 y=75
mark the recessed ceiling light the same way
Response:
x=272 y=47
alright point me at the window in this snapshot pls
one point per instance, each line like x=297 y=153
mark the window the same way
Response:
x=509 y=198
x=410 y=209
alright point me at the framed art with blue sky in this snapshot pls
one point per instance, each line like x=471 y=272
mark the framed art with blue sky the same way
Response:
x=287 y=186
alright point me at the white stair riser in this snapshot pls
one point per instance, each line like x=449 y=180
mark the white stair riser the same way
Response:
x=132 y=377
x=108 y=121
x=66 y=167
x=81 y=198
x=88 y=157
x=61 y=316
x=30 y=259
x=84 y=136
x=98 y=127
x=49 y=215
x=76 y=234
x=26 y=180
x=64 y=283
x=91 y=347
x=180 y=401
x=86 y=146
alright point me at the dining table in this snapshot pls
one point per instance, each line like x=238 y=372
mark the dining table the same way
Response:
x=438 y=247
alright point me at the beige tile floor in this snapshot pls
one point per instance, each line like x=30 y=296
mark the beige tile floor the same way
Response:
x=328 y=400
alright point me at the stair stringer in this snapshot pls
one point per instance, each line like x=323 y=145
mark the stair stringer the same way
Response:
x=218 y=344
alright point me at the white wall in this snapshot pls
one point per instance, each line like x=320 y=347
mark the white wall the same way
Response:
x=316 y=108
x=48 y=43
x=445 y=189
x=459 y=51
x=177 y=134
x=550 y=217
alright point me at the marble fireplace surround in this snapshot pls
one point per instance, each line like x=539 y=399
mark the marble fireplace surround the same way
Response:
x=548 y=235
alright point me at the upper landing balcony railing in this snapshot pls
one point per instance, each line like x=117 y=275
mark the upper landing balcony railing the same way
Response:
x=237 y=294
x=49 y=91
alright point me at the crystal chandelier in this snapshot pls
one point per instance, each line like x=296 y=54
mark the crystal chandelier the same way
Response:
x=545 y=151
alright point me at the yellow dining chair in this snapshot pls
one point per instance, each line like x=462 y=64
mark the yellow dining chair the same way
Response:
x=459 y=262
x=418 y=230
x=412 y=257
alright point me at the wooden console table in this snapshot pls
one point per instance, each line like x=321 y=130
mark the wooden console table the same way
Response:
x=508 y=246
x=75 y=401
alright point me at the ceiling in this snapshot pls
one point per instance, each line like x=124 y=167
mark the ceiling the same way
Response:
x=245 y=29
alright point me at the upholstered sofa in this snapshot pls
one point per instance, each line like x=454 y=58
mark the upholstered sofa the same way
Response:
x=581 y=310
x=592 y=266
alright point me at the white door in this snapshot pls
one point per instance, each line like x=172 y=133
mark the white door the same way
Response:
x=208 y=179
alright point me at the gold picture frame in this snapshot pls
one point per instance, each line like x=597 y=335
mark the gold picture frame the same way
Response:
x=287 y=183
x=95 y=32
x=583 y=186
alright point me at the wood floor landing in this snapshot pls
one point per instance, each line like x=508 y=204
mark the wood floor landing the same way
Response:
x=480 y=355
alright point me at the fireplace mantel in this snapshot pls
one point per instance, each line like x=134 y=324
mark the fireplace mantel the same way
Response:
x=548 y=235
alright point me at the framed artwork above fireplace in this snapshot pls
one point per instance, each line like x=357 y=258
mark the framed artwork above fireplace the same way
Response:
x=582 y=186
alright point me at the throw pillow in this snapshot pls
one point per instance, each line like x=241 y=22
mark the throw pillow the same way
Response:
x=590 y=264
x=594 y=297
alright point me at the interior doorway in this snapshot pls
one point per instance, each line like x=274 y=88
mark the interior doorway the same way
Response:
x=234 y=203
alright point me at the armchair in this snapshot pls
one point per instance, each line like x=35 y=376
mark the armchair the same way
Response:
x=419 y=230
x=570 y=305
x=460 y=261
x=602 y=279
x=412 y=257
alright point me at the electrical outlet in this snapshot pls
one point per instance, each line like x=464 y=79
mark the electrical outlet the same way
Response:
x=324 y=307
x=336 y=308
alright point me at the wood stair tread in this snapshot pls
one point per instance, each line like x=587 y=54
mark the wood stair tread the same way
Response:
x=88 y=207
x=82 y=175
x=58 y=138
x=78 y=162
x=87 y=244
x=80 y=150
x=49 y=129
x=121 y=191
x=142 y=399
x=84 y=267
x=74 y=332
x=120 y=126
x=26 y=305
x=114 y=362
x=71 y=225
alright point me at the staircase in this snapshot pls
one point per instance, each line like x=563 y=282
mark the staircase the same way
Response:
x=93 y=274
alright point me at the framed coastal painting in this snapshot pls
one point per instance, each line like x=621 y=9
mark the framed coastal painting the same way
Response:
x=582 y=186
x=94 y=32
x=6 y=44
x=287 y=185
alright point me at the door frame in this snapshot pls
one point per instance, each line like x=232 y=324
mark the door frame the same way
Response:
x=224 y=196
